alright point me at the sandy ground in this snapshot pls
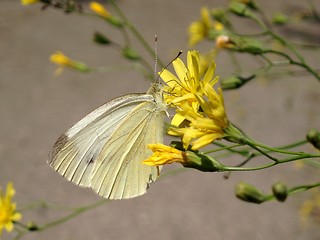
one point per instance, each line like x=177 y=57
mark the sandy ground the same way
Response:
x=36 y=107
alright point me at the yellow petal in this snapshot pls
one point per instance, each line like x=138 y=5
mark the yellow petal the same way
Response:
x=193 y=64
x=180 y=69
x=169 y=78
x=177 y=120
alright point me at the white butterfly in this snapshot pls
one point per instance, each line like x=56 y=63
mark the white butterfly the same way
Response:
x=105 y=149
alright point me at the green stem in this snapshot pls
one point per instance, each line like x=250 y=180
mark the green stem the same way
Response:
x=292 y=145
x=273 y=149
x=75 y=213
x=291 y=61
x=268 y=31
x=64 y=219
x=135 y=32
x=294 y=190
x=254 y=146
x=245 y=169
x=302 y=62
x=286 y=160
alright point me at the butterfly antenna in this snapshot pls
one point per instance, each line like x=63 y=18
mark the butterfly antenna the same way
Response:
x=178 y=55
x=155 y=56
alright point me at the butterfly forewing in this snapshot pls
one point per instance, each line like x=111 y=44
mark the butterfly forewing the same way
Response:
x=105 y=149
x=119 y=172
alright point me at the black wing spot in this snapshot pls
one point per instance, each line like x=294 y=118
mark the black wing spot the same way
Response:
x=91 y=161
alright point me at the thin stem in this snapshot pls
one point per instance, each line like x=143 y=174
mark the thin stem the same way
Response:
x=254 y=146
x=291 y=61
x=225 y=147
x=245 y=169
x=135 y=32
x=294 y=190
x=64 y=219
x=286 y=160
x=302 y=62
x=272 y=149
x=292 y=145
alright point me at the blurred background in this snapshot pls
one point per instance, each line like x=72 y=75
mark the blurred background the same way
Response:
x=36 y=106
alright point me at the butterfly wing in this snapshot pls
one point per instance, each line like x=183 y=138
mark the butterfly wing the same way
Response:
x=118 y=172
x=75 y=152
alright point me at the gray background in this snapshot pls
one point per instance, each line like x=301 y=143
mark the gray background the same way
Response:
x=36 y=107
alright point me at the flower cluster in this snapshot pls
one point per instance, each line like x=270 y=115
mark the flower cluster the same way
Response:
x=8 y=213
x=200 y=115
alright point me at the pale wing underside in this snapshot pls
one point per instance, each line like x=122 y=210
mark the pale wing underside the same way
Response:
x=119 y=172
x=76 y=151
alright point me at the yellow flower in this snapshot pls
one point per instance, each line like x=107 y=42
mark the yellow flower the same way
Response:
x=8 y=214
x=201 y=116
x=99 y=9
x=205 y=126
x=199 y=30
x=63 y=61
x=28 y=2
x=181 y=88
x=163 y=154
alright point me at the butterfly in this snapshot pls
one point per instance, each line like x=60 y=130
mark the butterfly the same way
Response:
x=104 y=150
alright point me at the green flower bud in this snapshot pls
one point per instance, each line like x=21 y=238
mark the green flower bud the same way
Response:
x=313 y=137
x=194 y=159
x=280 y=191
x=202 y=162
x=101 y=39
x=81 y=67
x=32 y=226
x=220 y=15
x=249 y=193
x=115 y=22
x=240 y=9
x=130 y=53
x=248 y=45
x=280 y=19
x=234 y=82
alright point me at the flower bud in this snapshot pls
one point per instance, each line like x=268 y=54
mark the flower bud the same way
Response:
x=63 y=61
x=198 y=161
x=250 y=3
x=223 y=41
x=234 y=82
x=280 y=191
x=101 y=39
x=249 y=193
x=313 y=137
x=130 y=53
x=280 y=19
x=32 y=226
x=240 y=9
x=115 y=22
x=202 y=162
x=220 y=15
x=249 y=45
x=101 y=11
